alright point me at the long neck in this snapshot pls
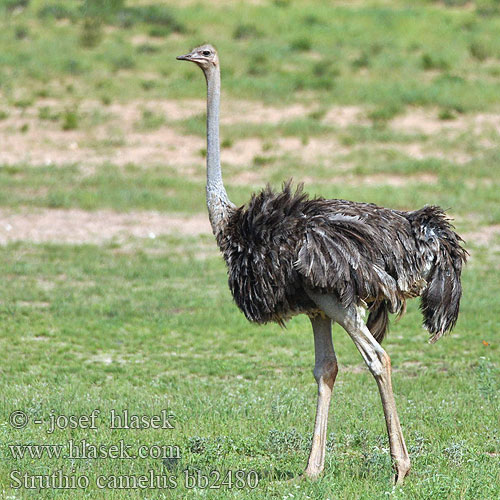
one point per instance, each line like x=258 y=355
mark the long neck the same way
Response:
x=218 y=203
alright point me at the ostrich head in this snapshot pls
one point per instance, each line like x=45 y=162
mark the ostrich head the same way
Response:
x=205 y=56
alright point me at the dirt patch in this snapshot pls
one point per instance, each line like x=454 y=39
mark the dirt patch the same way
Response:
x=78 y=226
x=484 y=121
x=426 y=121
x=345 y=116
x=242 y=153
x=420 y=151
x=113 y=134
x=384 y=180
x=247 y=178
x=315 y=150
x=256 y=112
x=141 y=39
x=117 y=133
x=104 y=134
x=374 y=180
x=483 y=236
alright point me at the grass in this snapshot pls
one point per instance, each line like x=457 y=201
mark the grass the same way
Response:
x=163 y=188
x=272 y=55
x=77 y=342
x=149 y=324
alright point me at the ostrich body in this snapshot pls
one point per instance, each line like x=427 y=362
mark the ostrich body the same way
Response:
x=288 y=254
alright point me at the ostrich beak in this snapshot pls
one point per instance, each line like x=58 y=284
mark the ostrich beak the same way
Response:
x=186 y=57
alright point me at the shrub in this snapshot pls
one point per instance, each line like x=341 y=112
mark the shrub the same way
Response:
x=383 y=114
x=487 y=7
x=157 y=15
x=147 y=48
x=244 y=31
x=478 y=51
x=325 y=69
x=70 y=119
x=429 y=62
x=123 y=62
x=21 y=32
x=446 y=114
x=362 y=61
x=91 y=33
x=258 y=65
x=151 y=120
x=11 y=5
x=46 y=113
x=106 y=100
x=303 y=44
x=23 y=103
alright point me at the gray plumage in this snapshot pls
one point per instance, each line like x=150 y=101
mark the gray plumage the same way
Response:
x=281 y=243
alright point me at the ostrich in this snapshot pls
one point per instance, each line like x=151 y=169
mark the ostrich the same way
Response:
x=288 y=254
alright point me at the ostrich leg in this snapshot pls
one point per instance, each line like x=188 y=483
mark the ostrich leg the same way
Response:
x=379 y=364
x=325 y=371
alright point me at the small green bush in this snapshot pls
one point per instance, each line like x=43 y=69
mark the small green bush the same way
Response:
x=479 y=51
x=446 y=114
x=11 y=5
x=70 y=119
x=91 y=34
x=303 y=44
x=151 y=120
x=487 y=7
x=362 y=61
x=157 y=15
x=429 y=63
x=258 y=65
x=23 y=103
x=123 y=62
x=21 y=32
x=46 y=113
x=245 y=31
x=147 y=48
x=383 y=114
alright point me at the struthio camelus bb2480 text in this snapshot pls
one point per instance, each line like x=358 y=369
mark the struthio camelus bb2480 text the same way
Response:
x=287 y=254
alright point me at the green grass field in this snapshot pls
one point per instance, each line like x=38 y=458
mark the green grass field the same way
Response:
x=102 y=132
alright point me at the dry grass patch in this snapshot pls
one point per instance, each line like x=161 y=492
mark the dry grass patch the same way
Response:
x=112 y=134
x=483 y=236
x=427 y=121
x=27 y=139
x=419 y=151
x=236 y=111
x=79 y=226
x=345 y=116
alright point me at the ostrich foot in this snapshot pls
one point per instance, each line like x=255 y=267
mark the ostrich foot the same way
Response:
x=402 y=470
x=312 y=472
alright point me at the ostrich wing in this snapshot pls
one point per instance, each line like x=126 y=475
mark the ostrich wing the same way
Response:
x=359 y=259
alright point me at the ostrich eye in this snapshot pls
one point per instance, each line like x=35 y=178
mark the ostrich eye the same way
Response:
x=206 y=53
